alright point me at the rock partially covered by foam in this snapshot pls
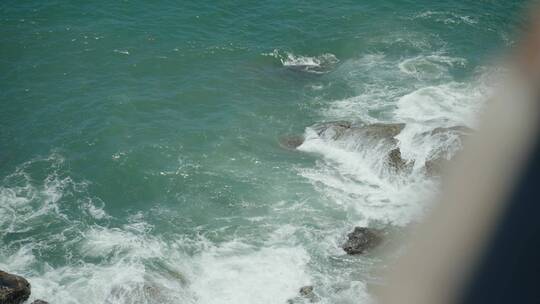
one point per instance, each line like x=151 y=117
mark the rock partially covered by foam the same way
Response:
x=342 y=130
x=291 y=142
x=137 y=293
x=436 y=162
x=396 y=161
x=305 y=293
x=40 y=302
x=14 y=289
x=308 y=293
x=362 y=239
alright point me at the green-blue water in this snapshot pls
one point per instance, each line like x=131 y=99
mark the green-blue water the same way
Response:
x=139 y=152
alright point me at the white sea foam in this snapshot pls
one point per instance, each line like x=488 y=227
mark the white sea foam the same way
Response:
x=446 y=17
x=356 y=177
x=430 y=67
x=353 y=172
x=316 y=64
x=238 y=273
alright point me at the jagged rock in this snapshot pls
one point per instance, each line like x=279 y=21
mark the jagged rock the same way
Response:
x=40 y=302
x=361 y=240
x=396 y=161
x=291 y=142
x=14 y=289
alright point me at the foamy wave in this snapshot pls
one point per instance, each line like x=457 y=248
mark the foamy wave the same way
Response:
x=32 y=196
x=318 y=64
x=353 y=172
x=447 y=17
x=430 y=67
x=238 y=273
x=444 y=105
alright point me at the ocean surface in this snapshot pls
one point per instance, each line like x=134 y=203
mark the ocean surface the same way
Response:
x=140 y=156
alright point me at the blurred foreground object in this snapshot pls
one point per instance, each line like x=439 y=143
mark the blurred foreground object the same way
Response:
x=481 y=243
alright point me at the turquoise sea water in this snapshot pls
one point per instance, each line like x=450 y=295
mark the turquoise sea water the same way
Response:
x=139 y=141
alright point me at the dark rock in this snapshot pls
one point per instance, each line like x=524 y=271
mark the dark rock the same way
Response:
x=306 y=290
x=396 y=161
x=308 y=293
x=291 y=142
x=39 y=302
x=14 y=289
x=361 y=240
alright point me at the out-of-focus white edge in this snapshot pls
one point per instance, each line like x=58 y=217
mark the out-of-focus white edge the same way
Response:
x=445 y=248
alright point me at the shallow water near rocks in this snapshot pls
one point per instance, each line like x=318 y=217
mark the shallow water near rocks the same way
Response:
x=140 y=156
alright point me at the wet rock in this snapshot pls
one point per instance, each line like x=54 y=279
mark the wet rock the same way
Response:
x=40 y=302
x=14 y=289
x=455 y=129
x=361 y=240
x=305 y=293
x=396 y=161
x=383 y=130
x=291 y=142
x=308 y=293
x=340 y=129
x=332 y=130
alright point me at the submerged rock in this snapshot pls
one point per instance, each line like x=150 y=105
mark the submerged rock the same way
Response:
x=14 y=289
x=361 y=239
x=305 y=293
x=137 y=293
x=291 y=142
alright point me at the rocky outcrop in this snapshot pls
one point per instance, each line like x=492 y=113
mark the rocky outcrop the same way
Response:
x=362 y=239
x=14 y=289
x=332 y=130
x=455 y=129
x=381 y=133
x=396 y=162
x=340 y=129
